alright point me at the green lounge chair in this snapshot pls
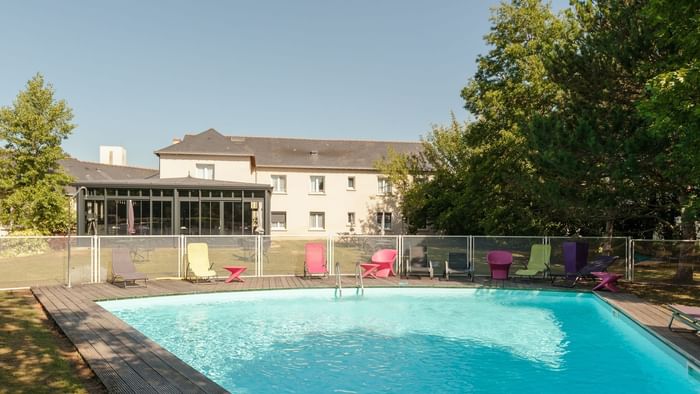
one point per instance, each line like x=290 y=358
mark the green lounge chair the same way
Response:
x=539 y=261
x=198 y=263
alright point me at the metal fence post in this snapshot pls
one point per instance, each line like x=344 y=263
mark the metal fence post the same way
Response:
x=631 y=261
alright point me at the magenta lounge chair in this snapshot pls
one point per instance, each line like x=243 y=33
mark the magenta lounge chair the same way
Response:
x=499 y=263
x=385 y=259
x=315 y=260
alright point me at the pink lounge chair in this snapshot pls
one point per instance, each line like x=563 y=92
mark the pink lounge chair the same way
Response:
x=384 y=258
x=499 y=263
x=689 y=315
x=315 y=260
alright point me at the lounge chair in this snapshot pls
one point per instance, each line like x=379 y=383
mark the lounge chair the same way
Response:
x=198 y=263
x=123 y=269
x=315 y=260
x=689 y=315
x=599 y=264
x=538 y=263
x=384 y=259
x=457 y=264
x=418 y=262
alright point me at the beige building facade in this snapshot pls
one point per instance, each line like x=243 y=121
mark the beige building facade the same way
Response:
x=318 y=186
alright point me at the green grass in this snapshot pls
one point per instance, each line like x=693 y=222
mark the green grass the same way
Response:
x=34 y=357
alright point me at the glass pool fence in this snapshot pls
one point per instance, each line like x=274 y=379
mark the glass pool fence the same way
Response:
x=40 y=261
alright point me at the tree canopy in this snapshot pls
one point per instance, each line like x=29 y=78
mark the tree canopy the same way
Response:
x=32 y=181
x=584 y=122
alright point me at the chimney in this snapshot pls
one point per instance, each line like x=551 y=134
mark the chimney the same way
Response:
x=176 y=141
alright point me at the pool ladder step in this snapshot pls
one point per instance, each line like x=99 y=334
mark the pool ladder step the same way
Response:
x=359 y=283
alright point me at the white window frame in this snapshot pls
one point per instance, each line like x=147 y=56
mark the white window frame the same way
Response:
x=383 y=223
x=272 y=223
x=275 y=181
x=354 y=183
x=314 y=221
x=317 y=184
x=383 y=186
x=204 y=168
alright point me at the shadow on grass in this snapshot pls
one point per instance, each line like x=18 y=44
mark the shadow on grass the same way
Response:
x=34 y=356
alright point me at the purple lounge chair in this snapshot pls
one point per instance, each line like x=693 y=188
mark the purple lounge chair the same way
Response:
x=599 y=264
x=315 y=260
x=123 y=269
x=689 y=315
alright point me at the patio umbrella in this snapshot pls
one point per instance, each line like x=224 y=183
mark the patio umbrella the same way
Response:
x=130 y=217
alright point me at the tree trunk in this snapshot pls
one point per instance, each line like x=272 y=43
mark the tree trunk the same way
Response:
x=609 y=228
x=686 y=258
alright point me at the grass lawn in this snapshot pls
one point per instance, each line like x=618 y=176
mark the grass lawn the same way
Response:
x=665 y=293
x=34 y=356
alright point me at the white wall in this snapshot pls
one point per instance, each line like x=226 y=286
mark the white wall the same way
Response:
x=336 y=202
x=233 y=169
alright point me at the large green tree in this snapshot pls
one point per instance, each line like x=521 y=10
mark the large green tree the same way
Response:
x=672 y=103
x=31 y=179
x=594 y=153
x=510 y=88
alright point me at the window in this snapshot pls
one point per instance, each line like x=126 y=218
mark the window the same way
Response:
x=278 y=220
x=205 y=171
x=351 y=183
x=384 y=220
x=279 y=184
x=351 y=219
x=317 y=184
x=317 y=221
x=383 y=186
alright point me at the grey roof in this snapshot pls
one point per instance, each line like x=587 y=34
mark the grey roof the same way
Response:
x=187 y=182
x=291 y=152
x=88 y=171
x=209 y=142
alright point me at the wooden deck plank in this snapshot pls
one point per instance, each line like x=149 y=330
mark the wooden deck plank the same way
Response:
x=165 y=363
x=131 y=354
x=109 y=377
x=73 y=323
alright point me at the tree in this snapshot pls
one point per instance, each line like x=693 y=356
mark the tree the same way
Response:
x=671 y=107
x=31 y=179
x=595 y=150
x=481 y=179
x=430 y=185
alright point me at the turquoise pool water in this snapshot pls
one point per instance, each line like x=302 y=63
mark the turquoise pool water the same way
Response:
x=409 y=341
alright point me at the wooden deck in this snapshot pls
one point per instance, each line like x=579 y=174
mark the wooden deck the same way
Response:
x=128 y=362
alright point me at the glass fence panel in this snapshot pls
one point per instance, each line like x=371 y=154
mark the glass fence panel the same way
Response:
x=349 y=250
x=43 y=261
x=596 y=247
x=227 y=250
x=520 y=247
x=154 y=256
x=285 y=255
x=421 y=252
x=81 y=261
x=668 y=261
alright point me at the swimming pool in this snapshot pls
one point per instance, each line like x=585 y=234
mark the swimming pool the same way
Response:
x=409 y=341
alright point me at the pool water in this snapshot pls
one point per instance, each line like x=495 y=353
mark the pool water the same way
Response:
x=409 y=341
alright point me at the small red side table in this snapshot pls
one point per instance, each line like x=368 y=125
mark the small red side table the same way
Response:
x=607 y=281
x=236 y=272
x=369 y=270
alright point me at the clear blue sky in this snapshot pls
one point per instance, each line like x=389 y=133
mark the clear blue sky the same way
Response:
x=138 y=73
